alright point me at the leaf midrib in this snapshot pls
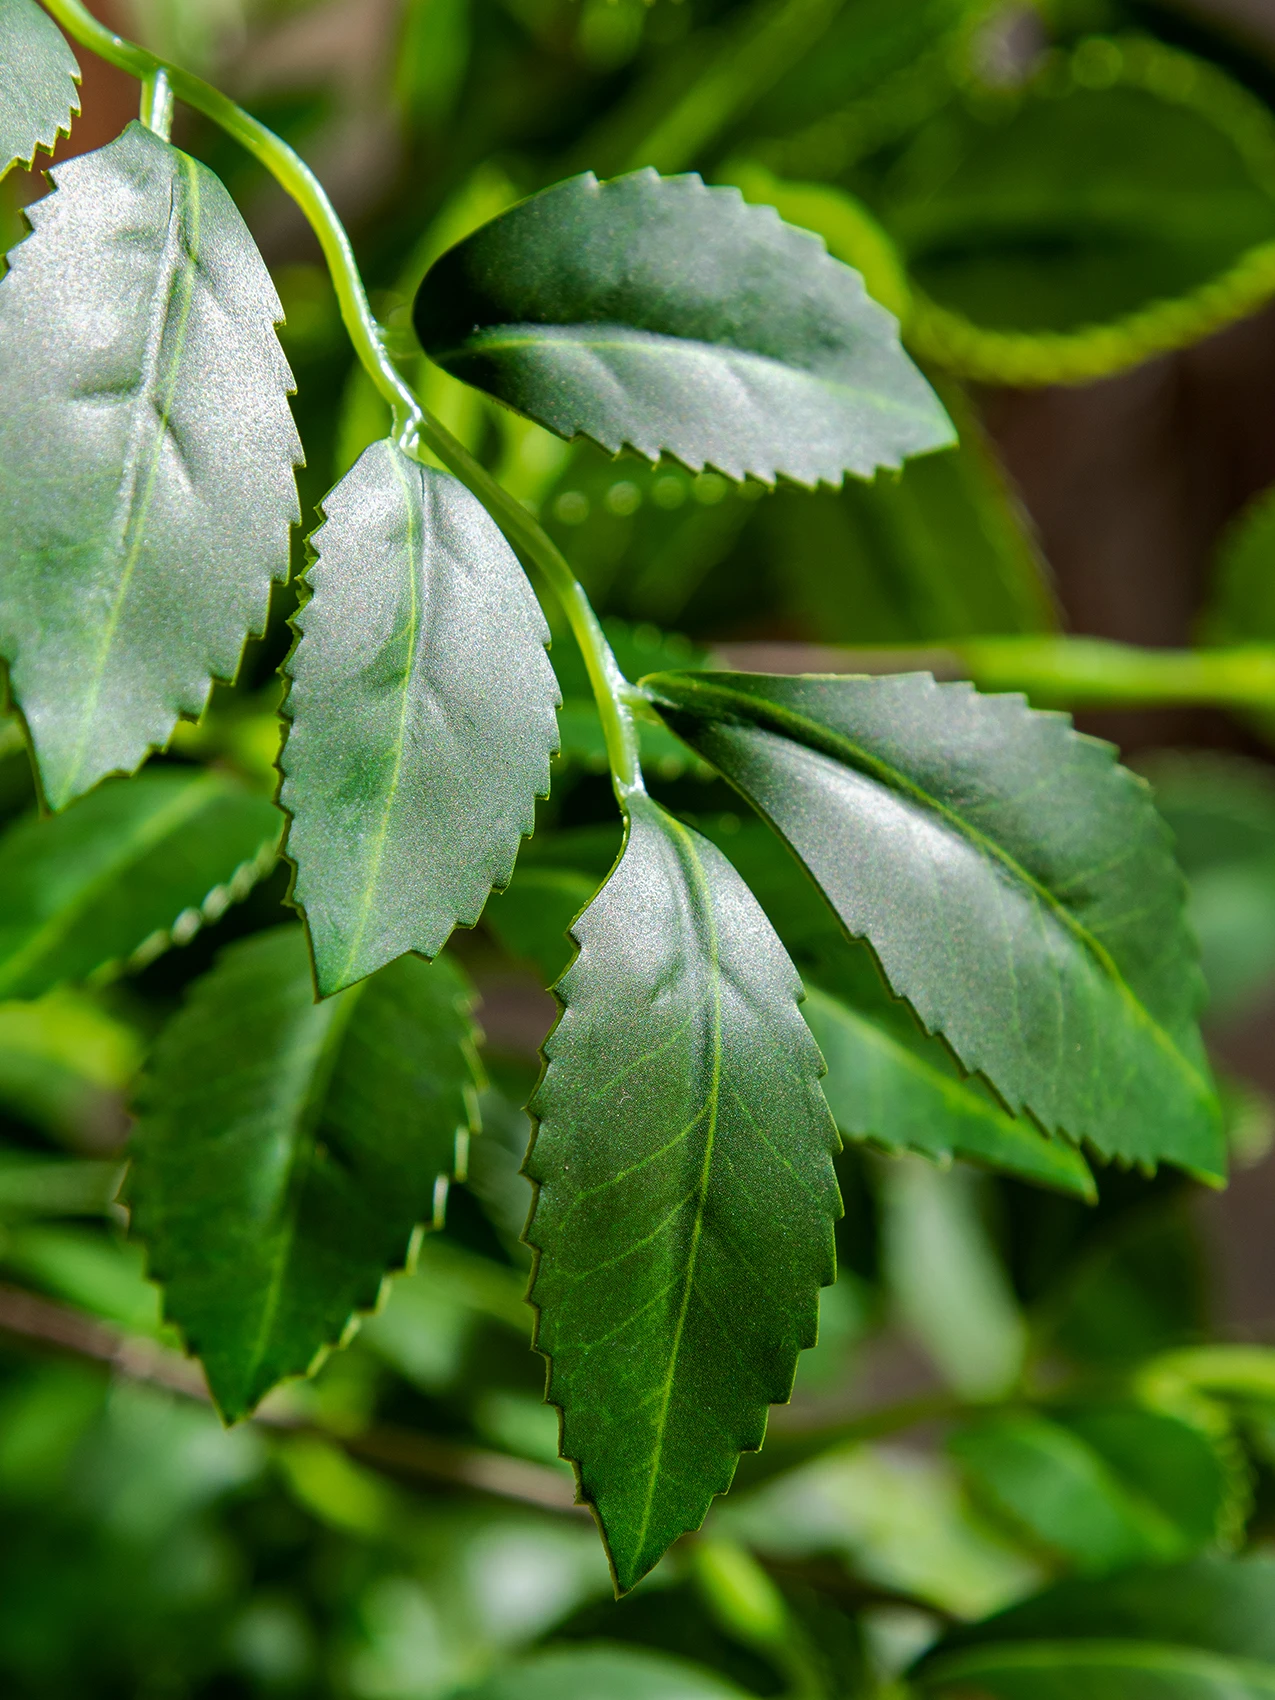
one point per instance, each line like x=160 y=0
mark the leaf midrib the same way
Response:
x=823 y=740
x=660 y=345
x=712 y=1108
x=176 y=813
x=133 y=509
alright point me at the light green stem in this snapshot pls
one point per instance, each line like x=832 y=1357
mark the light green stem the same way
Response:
x=1079 y=672
x=412 y=423
x=157 y=104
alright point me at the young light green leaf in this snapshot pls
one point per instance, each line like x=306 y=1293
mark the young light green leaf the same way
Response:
x=1016 y=885
x=38 y=78
x=684 y=1216
x=672 y=318
x=422 y=717
x=888 y=1085
x=146 y=456
x=287 y=1151
x=141 y=864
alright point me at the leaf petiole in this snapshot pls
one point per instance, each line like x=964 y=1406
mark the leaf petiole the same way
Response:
x=413 y=425
x=157 y=104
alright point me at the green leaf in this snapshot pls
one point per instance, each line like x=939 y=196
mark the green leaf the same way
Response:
x=1241 y=603
x=887 y=1083
x=1059 y=1670
x=64 y=1065
x=287 y=1150
x=38 y=77
x=1067 y=1497
x=422 y=717
x=1118 y=206
x=533 y=917
x=146 y=456
x=686 y=1192
x=1016 y=885
x=141 y=864
x=763 y=357
x=603 y=1673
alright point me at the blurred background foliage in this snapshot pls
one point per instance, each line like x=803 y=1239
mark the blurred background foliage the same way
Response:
x=1022 y=1392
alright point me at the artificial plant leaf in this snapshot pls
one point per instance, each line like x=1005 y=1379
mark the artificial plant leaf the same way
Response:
x=140 y=864
x=1052 y=1485
x=422 y=717
x=1016 y=885
x=1120 y=204
x=604 y=1673
x=146 y=456
x=38 y=78
x=287 y=1151
x=662 y=315
x=684 y=1217
x=886 y=1083
x=1204 y=1630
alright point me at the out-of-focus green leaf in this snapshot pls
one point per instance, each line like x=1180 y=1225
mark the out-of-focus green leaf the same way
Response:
x=683 y=1147
x=38 y=77
x=1107 y=1488
x=532 y=918
x=421 y=715
x=946 y=1280
x=578 y=308
x=37 y=1186
x=65 y=1064
x=287 y=1151
x=1204 y=1630
x=88 y=1269
x=604 y=1673
x=1222 y=812
x=432 y=56
x=886 y=1083
x=1016 y=884
x=146 y=456
x=1241 y=603
x=138 y=866
x=1119 y=205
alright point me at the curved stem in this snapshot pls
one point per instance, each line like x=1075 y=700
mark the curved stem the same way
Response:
x=412 y=423
x=157 y=104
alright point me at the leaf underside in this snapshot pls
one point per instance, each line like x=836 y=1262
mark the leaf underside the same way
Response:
x=38 y=78
x=147 y=456
x=686 y=1195
x=123 y=870
x=668 y=317
x=287 y=1150
x=422 y=717
x=1016 y=885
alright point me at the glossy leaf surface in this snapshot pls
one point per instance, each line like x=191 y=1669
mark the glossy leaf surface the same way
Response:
x=1016 y=885
x=422 y=710
x=38 y=77
x=139 y=863
x=686 y=1191
x=146 y=456
x=672 y=318
x=288 y=1149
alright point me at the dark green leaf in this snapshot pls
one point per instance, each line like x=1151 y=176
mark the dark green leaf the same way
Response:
x=422 y=717
x=137 y=866
x=764 y=357
x=146 y=456
x=686 y=1192
x=1119 y=205
x=604 y=1673
x=1015 y=883
x=533 y=917
x=887 y=1083
x=38 y=77
x=287 y=1150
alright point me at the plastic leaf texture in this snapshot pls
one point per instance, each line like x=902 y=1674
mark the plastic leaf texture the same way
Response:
x=146 y=456
x=38 y=77
x=141 y=864
x=422 y=717
x=684 y=1218
x=672 y=318
x=1015 y=883
x=287 y=1150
